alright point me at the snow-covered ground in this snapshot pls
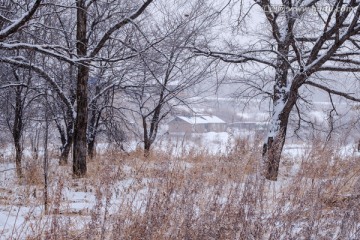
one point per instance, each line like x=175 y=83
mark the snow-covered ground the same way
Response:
x=76 y=201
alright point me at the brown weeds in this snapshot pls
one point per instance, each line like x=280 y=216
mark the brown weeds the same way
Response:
x=198 y=195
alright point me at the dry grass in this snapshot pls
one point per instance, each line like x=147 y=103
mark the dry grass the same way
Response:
x=197 y=195
x=32 y=172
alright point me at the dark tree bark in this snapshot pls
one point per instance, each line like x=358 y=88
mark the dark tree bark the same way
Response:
x=18 y=129
x=80 y=148
x=46 y=156
x=284 y=98
x=16 y=119
x=147 y=141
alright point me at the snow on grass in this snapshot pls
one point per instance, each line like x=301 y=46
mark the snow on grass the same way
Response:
x=181 y=181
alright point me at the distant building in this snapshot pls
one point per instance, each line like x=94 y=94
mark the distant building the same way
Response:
x=197 y=124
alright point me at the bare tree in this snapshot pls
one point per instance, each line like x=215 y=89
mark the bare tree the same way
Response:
x=11 y=24
x=18 y=97
x=103 y=87
x=306 y=38
x=13 y=16
x=93 y=36
x=168 y=68
x=84 y=37
x=64 y=122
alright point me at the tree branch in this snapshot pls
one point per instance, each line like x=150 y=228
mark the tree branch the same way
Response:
x=332 y=91
x=117 y=26
x=4 y=33
x=45 y=76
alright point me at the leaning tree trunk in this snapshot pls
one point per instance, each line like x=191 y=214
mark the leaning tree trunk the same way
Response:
x=274 y=145
x=67 y=139
x=80 y=148
x=65 y=152
x=149 y=136
x=276 y=137
x=67 y=134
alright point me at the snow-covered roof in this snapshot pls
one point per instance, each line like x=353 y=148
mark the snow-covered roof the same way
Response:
x=201 y=119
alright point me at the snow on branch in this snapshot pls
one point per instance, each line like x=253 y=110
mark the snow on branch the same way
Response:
x=20 y=62
x=331 y=31
x=117 y=26
x=51 y=50
x=13 y=85
x=339 y=69
x=233 y=58
x=12 y=28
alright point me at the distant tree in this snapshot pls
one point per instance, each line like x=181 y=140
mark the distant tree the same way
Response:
x=64 y=122
x=103 y=87
x=17 y=98
x=164 y=72
x=14 y=16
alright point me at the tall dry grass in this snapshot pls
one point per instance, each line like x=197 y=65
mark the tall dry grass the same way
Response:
x=197 y=195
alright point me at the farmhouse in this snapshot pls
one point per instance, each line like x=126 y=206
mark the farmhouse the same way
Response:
x=197 y=124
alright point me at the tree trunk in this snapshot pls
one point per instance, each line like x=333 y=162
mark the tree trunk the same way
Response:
x=147 y=146
x=147 y=142
x=18 y=157
x=273 y=149
x=17 y=130
x=276 y=137
x=34 y=141
x=91 y=149
x=93 y=126
x=149 y=137
x=46 y=156
x=66 y=137
x=281 y=110
x=80 y=143
x=65 y=151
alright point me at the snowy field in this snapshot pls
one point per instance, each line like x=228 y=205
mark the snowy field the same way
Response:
x=131 y=183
